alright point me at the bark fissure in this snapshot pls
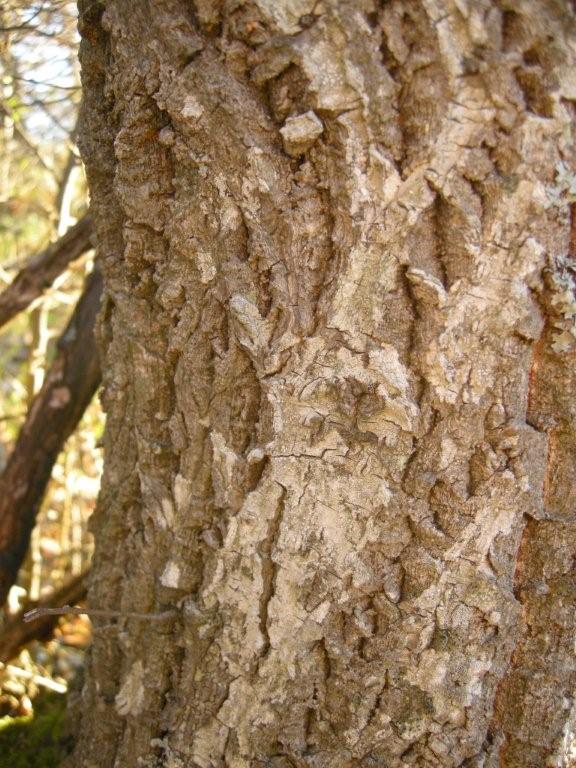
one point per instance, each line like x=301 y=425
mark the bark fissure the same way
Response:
x=269 y=569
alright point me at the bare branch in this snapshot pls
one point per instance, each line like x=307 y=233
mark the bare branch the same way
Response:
x=28 y=28
x=43 y=269
x=22 y=134
x=47 y=83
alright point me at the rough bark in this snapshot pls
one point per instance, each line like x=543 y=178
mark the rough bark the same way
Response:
x=339 y=356
x=54 y=414
x=43 y=269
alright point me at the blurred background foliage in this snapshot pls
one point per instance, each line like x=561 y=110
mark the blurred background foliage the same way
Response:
x=42 y=193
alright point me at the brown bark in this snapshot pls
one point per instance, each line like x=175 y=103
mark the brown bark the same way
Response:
x=56 y=410
x=43 y=269
x=339 y=351
x=17 y=633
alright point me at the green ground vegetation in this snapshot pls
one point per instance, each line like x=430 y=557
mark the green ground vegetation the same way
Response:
x=37 y=741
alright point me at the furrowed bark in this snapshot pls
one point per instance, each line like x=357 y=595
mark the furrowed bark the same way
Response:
x=43 y=269
x=338 y=346
x=16 y=633
x=69 y=386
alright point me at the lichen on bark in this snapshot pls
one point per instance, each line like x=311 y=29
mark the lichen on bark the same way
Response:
x=340 y=436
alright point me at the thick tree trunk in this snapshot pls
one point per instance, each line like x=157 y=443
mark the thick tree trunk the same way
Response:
x=339 y=371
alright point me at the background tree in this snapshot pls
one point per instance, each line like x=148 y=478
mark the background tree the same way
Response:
x=338 y=340
x=47 y=356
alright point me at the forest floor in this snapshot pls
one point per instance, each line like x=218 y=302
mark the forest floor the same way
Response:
x=33 y=696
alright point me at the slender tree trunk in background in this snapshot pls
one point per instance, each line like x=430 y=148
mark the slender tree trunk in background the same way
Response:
x=338 y=337
x=70 y=384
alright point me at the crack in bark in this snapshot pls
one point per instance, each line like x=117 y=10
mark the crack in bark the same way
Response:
x=270 y=569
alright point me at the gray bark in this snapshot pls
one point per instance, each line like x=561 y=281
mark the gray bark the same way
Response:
x=339 y=344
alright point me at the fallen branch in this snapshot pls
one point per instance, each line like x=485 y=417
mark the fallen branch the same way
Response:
x=40 y=680
x=16 y=634
x=43 y=269
x=55 y=411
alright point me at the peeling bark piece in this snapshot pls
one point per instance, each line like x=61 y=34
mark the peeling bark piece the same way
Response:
x=300 y=132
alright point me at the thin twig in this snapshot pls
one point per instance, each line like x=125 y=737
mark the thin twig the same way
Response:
x=37 y=613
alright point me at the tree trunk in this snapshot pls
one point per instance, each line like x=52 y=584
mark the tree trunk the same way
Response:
x=338 y=337
x=52 y=417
